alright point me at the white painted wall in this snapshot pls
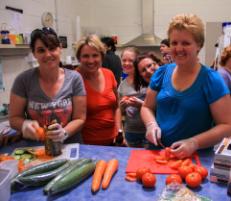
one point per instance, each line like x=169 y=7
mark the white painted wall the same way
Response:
x=104 y=17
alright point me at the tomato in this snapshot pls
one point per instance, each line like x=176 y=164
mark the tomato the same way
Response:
x=149 y=180
x=158 y=157
x=163 y=162
x=202 y=171
x=167 y=152
x=184 y=171
x=186 y=161
x=141 y=171
x=173 y=178
x=193 y=179
x=130 y=177
x=175 y=164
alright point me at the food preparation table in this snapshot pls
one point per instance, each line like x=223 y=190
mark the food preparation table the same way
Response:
x=120 y=189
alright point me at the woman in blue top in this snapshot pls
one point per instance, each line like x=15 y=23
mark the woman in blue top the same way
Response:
x=187 y=96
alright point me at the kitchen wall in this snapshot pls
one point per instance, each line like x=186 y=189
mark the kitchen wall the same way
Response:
x=104 y=17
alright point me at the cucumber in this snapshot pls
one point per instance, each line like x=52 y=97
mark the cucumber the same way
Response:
x=26 y=156
x=19 y=152
x=71 y=179
x=43 y=178
x=44 y=167
x=17 y=157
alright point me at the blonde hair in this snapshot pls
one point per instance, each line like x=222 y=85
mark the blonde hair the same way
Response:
x=225 y=55
x=191 y=23
x=92 y=41
x=135 y=50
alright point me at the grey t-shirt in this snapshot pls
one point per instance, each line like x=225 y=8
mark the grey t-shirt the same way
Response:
x=133 y=121
x=42 y=108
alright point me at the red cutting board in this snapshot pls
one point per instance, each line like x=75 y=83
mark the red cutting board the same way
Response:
x=146 y=158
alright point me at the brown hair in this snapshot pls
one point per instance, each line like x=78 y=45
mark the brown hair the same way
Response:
x=225 y=55
x=47 y=36
x=191 y=23
x=138 y=80
x=92 y=41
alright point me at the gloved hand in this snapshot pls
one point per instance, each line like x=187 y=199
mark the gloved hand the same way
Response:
x=184 y=148
x=135 y=102
x=153 y=133
x=29 y=128
x=56 y=132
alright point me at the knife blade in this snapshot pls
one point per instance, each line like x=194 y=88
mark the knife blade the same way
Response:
x=159 y=141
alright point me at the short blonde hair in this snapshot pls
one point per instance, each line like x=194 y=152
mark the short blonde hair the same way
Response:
x=225 y=55
x=191 y=23
x=92 y=41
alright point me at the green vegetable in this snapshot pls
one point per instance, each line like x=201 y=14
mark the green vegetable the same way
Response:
x=44 y=167
x=70 y=177
x=19 y=152
x=43 y=178
x=26 y=156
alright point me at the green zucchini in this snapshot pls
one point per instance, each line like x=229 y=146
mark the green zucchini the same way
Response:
x=43 y=178
x=68 y=174
x=44 y=167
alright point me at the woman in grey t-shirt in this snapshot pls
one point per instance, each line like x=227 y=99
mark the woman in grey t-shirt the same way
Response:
x=47 y=93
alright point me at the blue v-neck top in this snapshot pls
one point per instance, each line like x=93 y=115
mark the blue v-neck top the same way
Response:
x=183 y=114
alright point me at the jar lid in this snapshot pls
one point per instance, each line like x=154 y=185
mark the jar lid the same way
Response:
x=5 y=32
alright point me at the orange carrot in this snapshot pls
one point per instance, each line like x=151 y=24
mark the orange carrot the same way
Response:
x=41 y=133
x=111 y=169
x=5 y=157
x=98 y=175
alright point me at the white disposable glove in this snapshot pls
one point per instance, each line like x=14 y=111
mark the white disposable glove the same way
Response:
x=29 y=129
x=153 y=133
x=184 y=148
x=57 y=133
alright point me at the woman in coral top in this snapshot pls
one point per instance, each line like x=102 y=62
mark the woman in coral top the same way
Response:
x=101 y=127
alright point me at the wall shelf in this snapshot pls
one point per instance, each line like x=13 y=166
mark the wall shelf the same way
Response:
x=14 y=50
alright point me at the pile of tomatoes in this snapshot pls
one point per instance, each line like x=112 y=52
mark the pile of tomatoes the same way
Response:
x=144 y=176
x=192 y=174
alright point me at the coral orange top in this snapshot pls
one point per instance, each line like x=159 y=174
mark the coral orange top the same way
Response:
x=100 y=127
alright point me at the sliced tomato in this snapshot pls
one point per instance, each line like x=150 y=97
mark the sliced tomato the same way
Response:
x=130 y=178
x=163 y=162
x=175 y=164
x=186 y=162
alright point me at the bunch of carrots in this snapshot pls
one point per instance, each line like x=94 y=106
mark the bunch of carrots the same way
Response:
x=103 y=174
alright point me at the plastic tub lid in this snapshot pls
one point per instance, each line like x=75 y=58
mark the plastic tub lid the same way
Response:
x=5 y=184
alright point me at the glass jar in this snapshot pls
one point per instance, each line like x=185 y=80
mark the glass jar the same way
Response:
x=5 y=37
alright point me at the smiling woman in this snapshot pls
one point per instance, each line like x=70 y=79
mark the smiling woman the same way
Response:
x=102 y=123
x=47 y=94
x=186 y=96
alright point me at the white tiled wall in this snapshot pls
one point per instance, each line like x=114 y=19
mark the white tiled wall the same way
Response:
x=104 y=17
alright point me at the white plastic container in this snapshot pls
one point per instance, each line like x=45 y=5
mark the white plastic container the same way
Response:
x=5 y=178
x=11 y=165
